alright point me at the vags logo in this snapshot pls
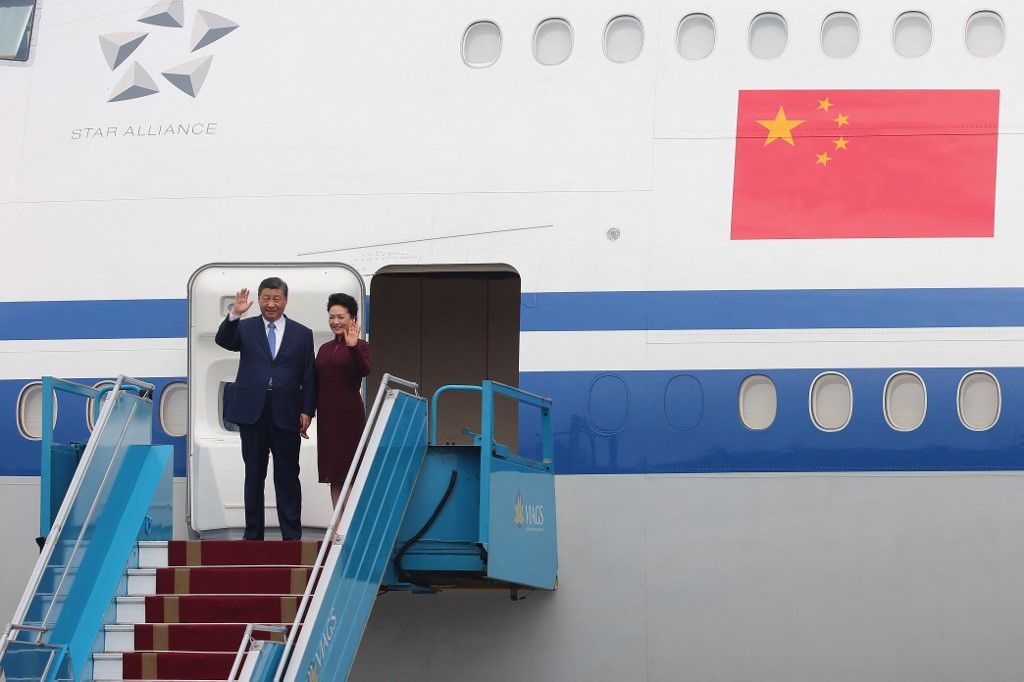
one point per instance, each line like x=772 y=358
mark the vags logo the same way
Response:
x=528 y=516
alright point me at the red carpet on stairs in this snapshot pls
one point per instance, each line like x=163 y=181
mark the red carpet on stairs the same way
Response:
x=201 y=608
x=182 y=665
x=204 y=600
x=241 y=553
x=231 y=580
x=194 y=636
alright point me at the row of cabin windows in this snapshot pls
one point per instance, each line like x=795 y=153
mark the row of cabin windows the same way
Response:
x=767 y=37
x=173 y=409
x=830 y=401
x=904 y=401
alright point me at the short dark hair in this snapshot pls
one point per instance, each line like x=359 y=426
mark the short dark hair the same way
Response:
x=345 y=301
x=273 y=283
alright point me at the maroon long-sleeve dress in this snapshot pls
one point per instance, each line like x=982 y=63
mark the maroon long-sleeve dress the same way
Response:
x=340 y=414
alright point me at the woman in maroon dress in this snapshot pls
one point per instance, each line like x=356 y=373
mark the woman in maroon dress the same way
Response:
x=341 y=365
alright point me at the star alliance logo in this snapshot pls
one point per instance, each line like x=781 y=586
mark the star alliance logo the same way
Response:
x=187 y=76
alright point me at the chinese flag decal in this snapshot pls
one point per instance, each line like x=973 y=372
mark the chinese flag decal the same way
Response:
x=865 y=163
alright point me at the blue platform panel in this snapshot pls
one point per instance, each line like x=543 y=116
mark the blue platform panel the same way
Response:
x=523 y=547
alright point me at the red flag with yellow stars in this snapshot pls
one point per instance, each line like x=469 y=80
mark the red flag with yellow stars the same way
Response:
x=821 y=164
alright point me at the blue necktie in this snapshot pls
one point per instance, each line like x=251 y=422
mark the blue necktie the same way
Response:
x=272 y=340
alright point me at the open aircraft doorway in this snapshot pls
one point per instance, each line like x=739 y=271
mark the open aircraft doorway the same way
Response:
x=449 y=324
x=215 y=469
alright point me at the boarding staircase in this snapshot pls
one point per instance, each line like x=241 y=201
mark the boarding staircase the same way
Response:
x=189 y=602
x=416 y=515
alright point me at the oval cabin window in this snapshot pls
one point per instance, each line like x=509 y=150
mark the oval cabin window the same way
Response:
x=30 y=411
x=552 y=42
x=92 y=414
x=623 y=39
x=905 y=401
x=985 y=34
x=979 y=401
x=608 y=404
x=758 y=402
x=768 y=36
x=695 y=38
x=481 y=44
x=912 y=34
x=684 y=402
x=174 y=409
x=831 y=401
x=840 y=35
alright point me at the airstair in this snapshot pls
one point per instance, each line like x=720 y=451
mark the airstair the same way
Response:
x=415 y=515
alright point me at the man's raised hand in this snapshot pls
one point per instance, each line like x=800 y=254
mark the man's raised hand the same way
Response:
x=242 y=302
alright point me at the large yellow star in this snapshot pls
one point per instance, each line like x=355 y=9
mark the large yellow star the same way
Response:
x=841 y=142
x=824 y=104
x=780 y=128
x=823 y=159
x=841 y=120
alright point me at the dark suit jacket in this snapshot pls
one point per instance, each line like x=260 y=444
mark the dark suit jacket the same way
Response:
x=292 y=370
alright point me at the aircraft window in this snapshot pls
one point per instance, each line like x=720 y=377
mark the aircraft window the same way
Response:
x=684 y=402
x=174 y=409
x=840 y=35
x=608 y=404
x=30 y=410
x=623 y=39
x=979 y=401
x=758 y=402
x=912 y=34
x=552 y=41
x=695 y=38
x=768 y=36
x=831 y=401
x=985 y=34
x=905 y=400
x=89 y=403
x=16 y=18
x=226 y=387
x=481 y=44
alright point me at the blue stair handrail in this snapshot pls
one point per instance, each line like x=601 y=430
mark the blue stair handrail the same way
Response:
x=335 y=614
x=488 y=389
x=49 y=496
x=82 y=562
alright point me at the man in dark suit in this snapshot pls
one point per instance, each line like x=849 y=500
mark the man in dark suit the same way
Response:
x=273 y=401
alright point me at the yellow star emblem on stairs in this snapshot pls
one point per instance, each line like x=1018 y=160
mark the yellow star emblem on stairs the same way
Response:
x=780 y=128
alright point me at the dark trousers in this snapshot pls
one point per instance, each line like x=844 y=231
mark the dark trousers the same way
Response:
x=258 y=441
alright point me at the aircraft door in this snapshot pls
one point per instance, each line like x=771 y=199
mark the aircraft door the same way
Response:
x=215 y=469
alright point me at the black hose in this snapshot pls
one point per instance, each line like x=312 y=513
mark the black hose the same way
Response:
x=403 y=576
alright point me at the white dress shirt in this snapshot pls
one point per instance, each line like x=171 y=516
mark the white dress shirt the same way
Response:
x=278 y=329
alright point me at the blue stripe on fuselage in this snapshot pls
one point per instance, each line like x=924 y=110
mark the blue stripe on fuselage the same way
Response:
x=139 y=319
x=652 y=422
x=589 y=311
x=681 y=421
